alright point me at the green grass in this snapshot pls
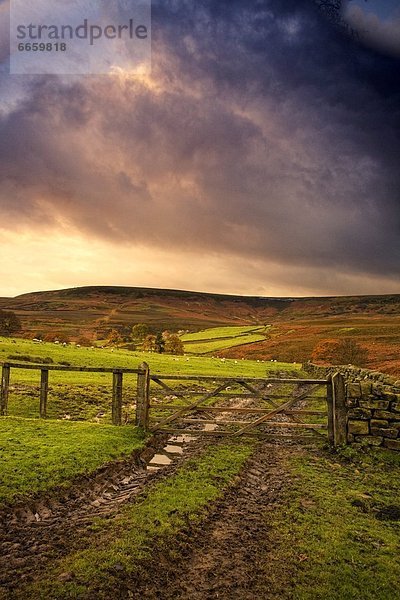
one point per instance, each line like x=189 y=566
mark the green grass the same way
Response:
x=87 y=396
x=327 y=532
x=127 y=540
x=36 y=455
x=207 y=347
x=221 y=338
x=220 y=332
x=105 y=357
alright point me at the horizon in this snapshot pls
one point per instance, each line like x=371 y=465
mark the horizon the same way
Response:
x=191 y=291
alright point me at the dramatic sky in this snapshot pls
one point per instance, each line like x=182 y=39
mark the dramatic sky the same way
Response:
x=261 y=156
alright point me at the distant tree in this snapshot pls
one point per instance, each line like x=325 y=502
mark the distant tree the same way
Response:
x=114 y=337
x=48 y=337
x=56 y=336
x=101 y=334
x=149 y=343
x=83 y=340
x=160 y=343
x=140 y=331
x=173 y=343
x=341 y=352
x=9 y=323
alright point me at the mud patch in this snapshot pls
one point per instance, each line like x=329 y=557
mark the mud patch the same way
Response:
x=229 y=555
x=37 y=532
x=389 y=513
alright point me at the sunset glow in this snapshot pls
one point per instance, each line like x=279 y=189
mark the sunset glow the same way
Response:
x=241 y=164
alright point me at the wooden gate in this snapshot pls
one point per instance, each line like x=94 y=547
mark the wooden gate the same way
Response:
x=209 y=405
x=236 y=406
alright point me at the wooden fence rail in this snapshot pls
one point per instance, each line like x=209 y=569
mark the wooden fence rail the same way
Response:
x=191 y=413
x=117 y=385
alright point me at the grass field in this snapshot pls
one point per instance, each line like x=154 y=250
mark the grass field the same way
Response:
x=38 y=455
x=207 y=347
x=220 y=332
x=335 y=532
x=87 y=396
x=332 y=535
x=222 y=338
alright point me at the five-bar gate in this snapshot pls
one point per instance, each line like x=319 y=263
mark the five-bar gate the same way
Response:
x=270 y=407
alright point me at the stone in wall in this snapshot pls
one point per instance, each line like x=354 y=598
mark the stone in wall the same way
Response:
x=359 y=413
x=384 y=414
x=392 y=444
x=377 y=404
x=358 y=427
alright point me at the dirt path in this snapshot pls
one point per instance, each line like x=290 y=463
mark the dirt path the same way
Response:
x=50 y=526
x=224 y=558
x=229 y=556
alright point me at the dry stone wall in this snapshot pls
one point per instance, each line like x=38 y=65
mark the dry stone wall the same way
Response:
x=372 y=402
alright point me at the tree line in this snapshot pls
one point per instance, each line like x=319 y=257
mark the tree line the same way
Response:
x=147 y=340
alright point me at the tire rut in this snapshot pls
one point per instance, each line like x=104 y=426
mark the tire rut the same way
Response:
x=227 y=556
x=36 y=533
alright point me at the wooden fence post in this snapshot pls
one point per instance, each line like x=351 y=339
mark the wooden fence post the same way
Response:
x=44 y=390
x=339 y=410
x=5 y=387
x=329 y=400
x=143 y=396
x=117 y=398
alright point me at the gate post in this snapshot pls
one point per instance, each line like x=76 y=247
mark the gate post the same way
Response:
x=44 y=388
x=337 y=422
x=116 y=408
x=143 y=396
x=4 y=390
x=329 y=400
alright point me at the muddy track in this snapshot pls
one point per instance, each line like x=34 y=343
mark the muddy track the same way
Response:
x=36 y=532
x=223 y=557
x=228 y=560
x=229 y=556
x=223 y=554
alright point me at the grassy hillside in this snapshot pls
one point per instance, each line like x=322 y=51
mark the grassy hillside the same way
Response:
x=95 y=309
x=298 y=324
x=222 y=338
x=296 y=340
x=87 y=396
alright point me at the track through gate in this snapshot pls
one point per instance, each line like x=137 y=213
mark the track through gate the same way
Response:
x=235 y=406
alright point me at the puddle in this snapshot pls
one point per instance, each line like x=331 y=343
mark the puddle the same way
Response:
x=160 y=460
x=173 y=449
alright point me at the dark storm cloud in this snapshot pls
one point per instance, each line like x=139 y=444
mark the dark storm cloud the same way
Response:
x=264 y=133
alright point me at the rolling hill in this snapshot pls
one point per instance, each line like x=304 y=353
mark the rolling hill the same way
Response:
x=297 y=324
